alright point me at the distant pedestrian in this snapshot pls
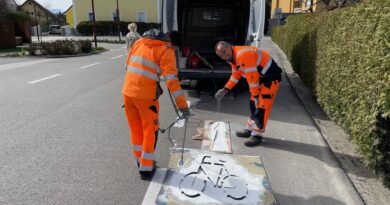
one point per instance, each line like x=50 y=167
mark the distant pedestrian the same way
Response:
x=132 y=36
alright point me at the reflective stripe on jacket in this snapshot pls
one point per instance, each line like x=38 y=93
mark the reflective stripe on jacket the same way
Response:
x=147 y=61
x=250 y=63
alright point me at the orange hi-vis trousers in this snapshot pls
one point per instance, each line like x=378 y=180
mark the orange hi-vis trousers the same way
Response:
x=142 y=116
x=259 y=116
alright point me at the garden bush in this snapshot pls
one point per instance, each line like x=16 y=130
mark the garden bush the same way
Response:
x=344 y=56
x=60 y=47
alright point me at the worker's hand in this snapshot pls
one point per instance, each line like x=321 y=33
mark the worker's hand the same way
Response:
x=221 y=93
x=185 y=113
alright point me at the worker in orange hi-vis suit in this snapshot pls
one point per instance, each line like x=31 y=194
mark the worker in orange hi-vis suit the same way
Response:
x=263 y=76
x=150 y=58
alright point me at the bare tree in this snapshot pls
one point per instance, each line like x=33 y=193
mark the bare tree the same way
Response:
x=46 y=4
x=4 y=5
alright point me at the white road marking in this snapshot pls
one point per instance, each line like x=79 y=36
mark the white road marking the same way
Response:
x=42 y=79
x=116 y=57
x=90 y=65
x=23 y=64
x=154 y=187
x=124 y=47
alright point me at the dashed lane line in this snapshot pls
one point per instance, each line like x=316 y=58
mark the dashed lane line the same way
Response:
x=116 y=57
x=90 y=65
x=42 y=79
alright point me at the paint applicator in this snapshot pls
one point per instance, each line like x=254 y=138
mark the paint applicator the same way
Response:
x=181 y=162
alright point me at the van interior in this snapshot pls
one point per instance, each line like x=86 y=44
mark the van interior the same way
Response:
x=203 y=23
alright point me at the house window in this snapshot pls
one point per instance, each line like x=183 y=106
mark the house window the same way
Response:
x=141 y=16
x=114 y=16
x=90 y=16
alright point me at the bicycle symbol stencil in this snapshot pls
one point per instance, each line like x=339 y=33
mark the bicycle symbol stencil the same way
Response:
x=213 y=174
x=214 y=178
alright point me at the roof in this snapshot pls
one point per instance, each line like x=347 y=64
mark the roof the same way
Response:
x=71 y=6
x=14 y=2
x=40 y=6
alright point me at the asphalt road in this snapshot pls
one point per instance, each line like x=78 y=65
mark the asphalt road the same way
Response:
x=64 y=137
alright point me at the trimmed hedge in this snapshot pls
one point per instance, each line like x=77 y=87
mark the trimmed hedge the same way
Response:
x=111 y=27
x=60 y=47
x=344 y=56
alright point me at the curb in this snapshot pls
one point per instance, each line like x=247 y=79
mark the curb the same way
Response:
x=68 y=56
x=57 y=56
x=368 y=186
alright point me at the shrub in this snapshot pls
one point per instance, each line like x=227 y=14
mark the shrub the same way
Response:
x=343 y=55
x=17 y=16
x=85 y=46
x=32 y=49
x=60 y=47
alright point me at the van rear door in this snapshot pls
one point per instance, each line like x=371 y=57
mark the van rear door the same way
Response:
x=169 y=19
x=256 y=23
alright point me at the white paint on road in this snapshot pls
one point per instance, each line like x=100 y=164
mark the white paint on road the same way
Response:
x=116 y=57
x=90 y=65
x=154 y=187
x=42 y=79
x=23 y=64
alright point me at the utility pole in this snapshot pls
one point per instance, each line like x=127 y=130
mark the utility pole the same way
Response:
x=36 y=21
x=94 y=23
x=118 y=19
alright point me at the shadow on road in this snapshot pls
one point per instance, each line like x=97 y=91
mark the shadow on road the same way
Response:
x=315 y=151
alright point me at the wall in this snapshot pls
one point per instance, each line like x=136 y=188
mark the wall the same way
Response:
x=128 y=10
x=70 y=18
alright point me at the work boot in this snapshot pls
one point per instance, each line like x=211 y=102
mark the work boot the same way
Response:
x=254 y=141
x=243 y=133
x=147 y=175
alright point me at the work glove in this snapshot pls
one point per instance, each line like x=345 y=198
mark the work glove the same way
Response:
x=221 y=93
x=185 y=113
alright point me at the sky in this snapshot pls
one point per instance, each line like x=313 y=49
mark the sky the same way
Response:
x=62 y=5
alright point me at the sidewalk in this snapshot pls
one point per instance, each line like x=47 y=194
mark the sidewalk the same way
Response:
x=369 y=187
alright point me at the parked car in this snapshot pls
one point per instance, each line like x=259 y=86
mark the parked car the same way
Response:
x=55 y=29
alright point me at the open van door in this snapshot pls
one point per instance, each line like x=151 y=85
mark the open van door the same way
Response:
x=169 y=19
x=256 y=24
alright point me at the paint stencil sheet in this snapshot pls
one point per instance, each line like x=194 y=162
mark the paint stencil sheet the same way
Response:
x=215 y=178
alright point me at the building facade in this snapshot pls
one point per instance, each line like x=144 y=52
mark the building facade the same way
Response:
x=69 y=17
x=37 y=13
x=292 y=6
x=105 y=10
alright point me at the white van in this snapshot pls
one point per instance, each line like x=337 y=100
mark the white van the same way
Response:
x=202 y=23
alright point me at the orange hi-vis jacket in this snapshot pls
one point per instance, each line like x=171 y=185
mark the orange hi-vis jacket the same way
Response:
x=251 y=63
x=148 y=59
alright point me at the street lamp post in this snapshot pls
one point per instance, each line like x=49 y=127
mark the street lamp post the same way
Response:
x=36 y=21
x=94 y=23
x=118 y=19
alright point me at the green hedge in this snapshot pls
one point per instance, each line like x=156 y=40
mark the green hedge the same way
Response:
x=344 y=56
x=111 y=27
x=60 y=47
